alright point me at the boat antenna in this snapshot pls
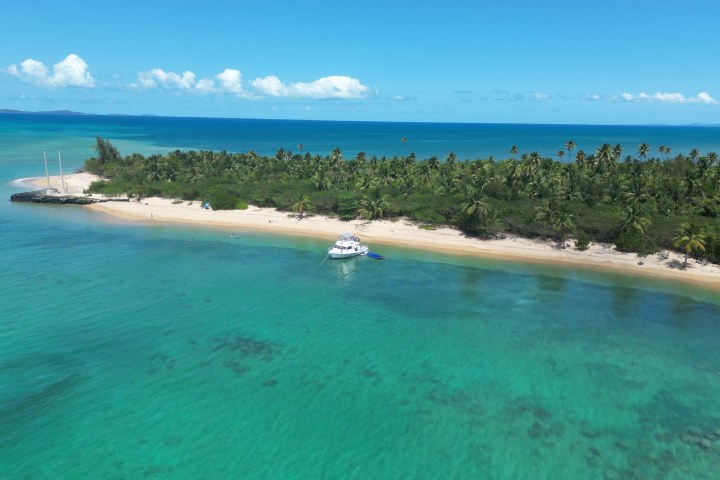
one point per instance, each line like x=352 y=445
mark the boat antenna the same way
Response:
x=62 y=178
x=47 y=175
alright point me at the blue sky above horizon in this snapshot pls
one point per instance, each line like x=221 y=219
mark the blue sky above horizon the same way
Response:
x=517 y=61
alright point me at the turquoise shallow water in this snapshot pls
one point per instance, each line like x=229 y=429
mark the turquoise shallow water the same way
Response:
x=135 y=351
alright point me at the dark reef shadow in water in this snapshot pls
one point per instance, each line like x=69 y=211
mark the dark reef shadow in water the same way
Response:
x=32 y=385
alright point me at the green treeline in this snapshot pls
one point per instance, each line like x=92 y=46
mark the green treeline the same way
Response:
x=640 y=203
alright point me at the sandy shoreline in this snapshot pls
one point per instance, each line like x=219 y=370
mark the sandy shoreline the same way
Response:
x=399 y=233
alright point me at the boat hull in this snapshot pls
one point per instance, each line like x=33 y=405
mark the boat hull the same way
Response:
x=347 y=254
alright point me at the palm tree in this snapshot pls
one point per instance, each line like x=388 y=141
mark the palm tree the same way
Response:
x=547 y=213
x=690 y=237
x=617 y=150
x=321 y=179
x=560 y=154
x=514 y=151
x=154 y=172
x=491 y=217
x=476 y=205
x=643 y=150
x=410 y=185
x=563 y=225
x=425 y=174
x=694 y=154
x=532 y=164
x=580 y=159
x=633 y=221
x=661 y=149
x=570 y=146
x=302 y=205
x=373 y=205
x=606 y=156
x=712 y=158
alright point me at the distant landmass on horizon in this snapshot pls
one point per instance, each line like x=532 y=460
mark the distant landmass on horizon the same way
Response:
x=52 y=112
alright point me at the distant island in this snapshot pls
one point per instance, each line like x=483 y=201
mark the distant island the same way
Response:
x=640 y=203
x=53 y=112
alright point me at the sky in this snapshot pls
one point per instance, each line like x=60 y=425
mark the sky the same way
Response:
x=510 y=61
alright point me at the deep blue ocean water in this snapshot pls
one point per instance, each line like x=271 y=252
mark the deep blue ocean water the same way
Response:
x=144 y=351
x=30 y=132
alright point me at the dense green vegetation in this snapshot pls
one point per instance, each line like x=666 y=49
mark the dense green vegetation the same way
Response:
x=640 y=203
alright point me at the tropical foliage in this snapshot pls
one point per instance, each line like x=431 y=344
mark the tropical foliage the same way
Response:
x=690 y=237
x=302 y=205
x=638 y=202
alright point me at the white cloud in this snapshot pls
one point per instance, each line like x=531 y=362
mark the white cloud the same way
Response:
x=205 y=85
x=168 y=80
x=705 y=97
x=72 y=71
x=227 y=82
x=270 y=85
x=665 y=97
x=323 y=88
x=231 y=81
x=540 y=96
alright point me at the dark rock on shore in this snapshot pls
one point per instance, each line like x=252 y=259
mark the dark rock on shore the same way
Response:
x=39 y=196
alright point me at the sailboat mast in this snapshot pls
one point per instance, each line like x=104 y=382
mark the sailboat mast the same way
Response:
x=47 y=175
x=62 y=178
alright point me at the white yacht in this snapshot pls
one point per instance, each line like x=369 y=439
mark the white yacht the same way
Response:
x=347 y=245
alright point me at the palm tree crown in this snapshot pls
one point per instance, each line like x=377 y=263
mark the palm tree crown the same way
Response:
x=302 y=205
x=690 y=237
x=633 y=221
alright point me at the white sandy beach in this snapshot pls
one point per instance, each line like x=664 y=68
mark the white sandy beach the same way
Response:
x=399 y=233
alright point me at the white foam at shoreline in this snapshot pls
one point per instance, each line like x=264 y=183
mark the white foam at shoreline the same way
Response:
x=30 y=182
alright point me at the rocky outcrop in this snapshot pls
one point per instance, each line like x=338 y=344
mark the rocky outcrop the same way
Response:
x=39 y=196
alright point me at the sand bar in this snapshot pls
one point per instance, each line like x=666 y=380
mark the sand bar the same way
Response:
x=401 y=233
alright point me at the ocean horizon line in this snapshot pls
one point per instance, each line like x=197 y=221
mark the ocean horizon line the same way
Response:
x=8 y=111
